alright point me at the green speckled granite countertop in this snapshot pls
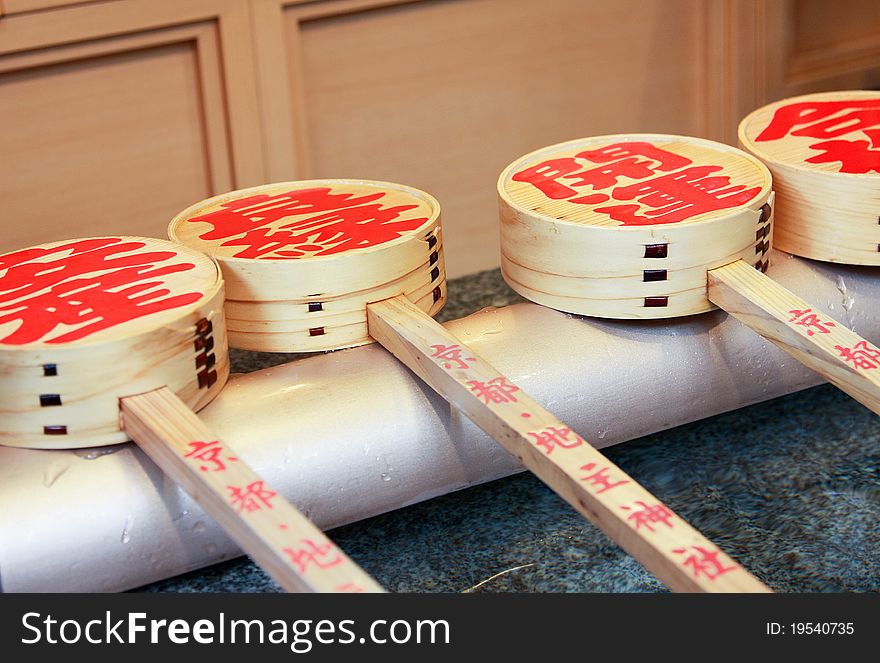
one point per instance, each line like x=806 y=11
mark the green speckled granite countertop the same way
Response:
x=796 y=501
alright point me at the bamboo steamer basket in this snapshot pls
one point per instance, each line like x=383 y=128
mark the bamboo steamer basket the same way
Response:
x=821 y=150
x=628 y=225
x=303 y=259
x=653 y=226
x=295 y=265
x=86 y=322
x=112 y=338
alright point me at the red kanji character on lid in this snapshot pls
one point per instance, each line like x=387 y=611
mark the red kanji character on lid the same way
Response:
x=253 y=497
x=855 y=156
x=451 y=355
x=657 y=179
x=87 y=286
x=806 y=318
x=600 y=478
x=677 y=196
x=545 y=176
x=322 y=223
x=607 y=175
x=649 y=515
x=822 y=119
x=666 y=161
x=236 y=217
x=552 y=437
x=496 y=390
x=705 y=562
x=830 y=121
x=209 y=452
x=631 y=160
x=312 y=554
x=861 y=355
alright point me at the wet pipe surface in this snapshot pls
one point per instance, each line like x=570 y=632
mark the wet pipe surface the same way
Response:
x=796 y=501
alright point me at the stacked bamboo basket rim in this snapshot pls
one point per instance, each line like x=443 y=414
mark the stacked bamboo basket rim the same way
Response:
x=303 y=259
x=628 y=225
x=292 y=233
x=116 y=337
x=826 y=174
x=86 y=322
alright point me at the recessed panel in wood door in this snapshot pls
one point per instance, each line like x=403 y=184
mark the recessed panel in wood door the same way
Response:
x=21 y=6
x=105 y=145
x=820 y=24
x=443 y=95
x=815 y=45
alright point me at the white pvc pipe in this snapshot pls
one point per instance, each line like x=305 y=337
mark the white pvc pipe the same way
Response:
x=352 y=434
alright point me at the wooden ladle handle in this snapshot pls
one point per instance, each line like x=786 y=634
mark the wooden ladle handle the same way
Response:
x=640 y=523
x=811 y=336
x=268 y=528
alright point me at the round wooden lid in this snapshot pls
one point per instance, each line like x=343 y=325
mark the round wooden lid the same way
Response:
x=306 y=220
x=829 y=132
x=301 y=260
x=86 y=322
x=627 y=226
x=634 y=180
x=85 y=291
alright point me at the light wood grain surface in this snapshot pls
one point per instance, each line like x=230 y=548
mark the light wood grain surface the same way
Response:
x=640 y=523
x=295 y=553
x=302 y=259
x=233 y=93
x=811 y=336
x=106 y=339
x=626 y=226
x=85 y=322
x=822 y=153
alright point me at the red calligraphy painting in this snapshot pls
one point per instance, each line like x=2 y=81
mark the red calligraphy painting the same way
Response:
x=65 y=292
x=845 y=133
x=317 y=221
x=863 y=356
x=637 y=183
x=600 y=478
x=211 y=456
x=811 y=321
x=554 y=437
x=311 y=554
x=253 y=497
x=451 y=356
x=703 y=562
x=497 y=390
x=649 y=515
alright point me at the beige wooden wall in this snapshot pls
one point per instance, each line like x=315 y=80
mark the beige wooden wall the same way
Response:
x=115 y=114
